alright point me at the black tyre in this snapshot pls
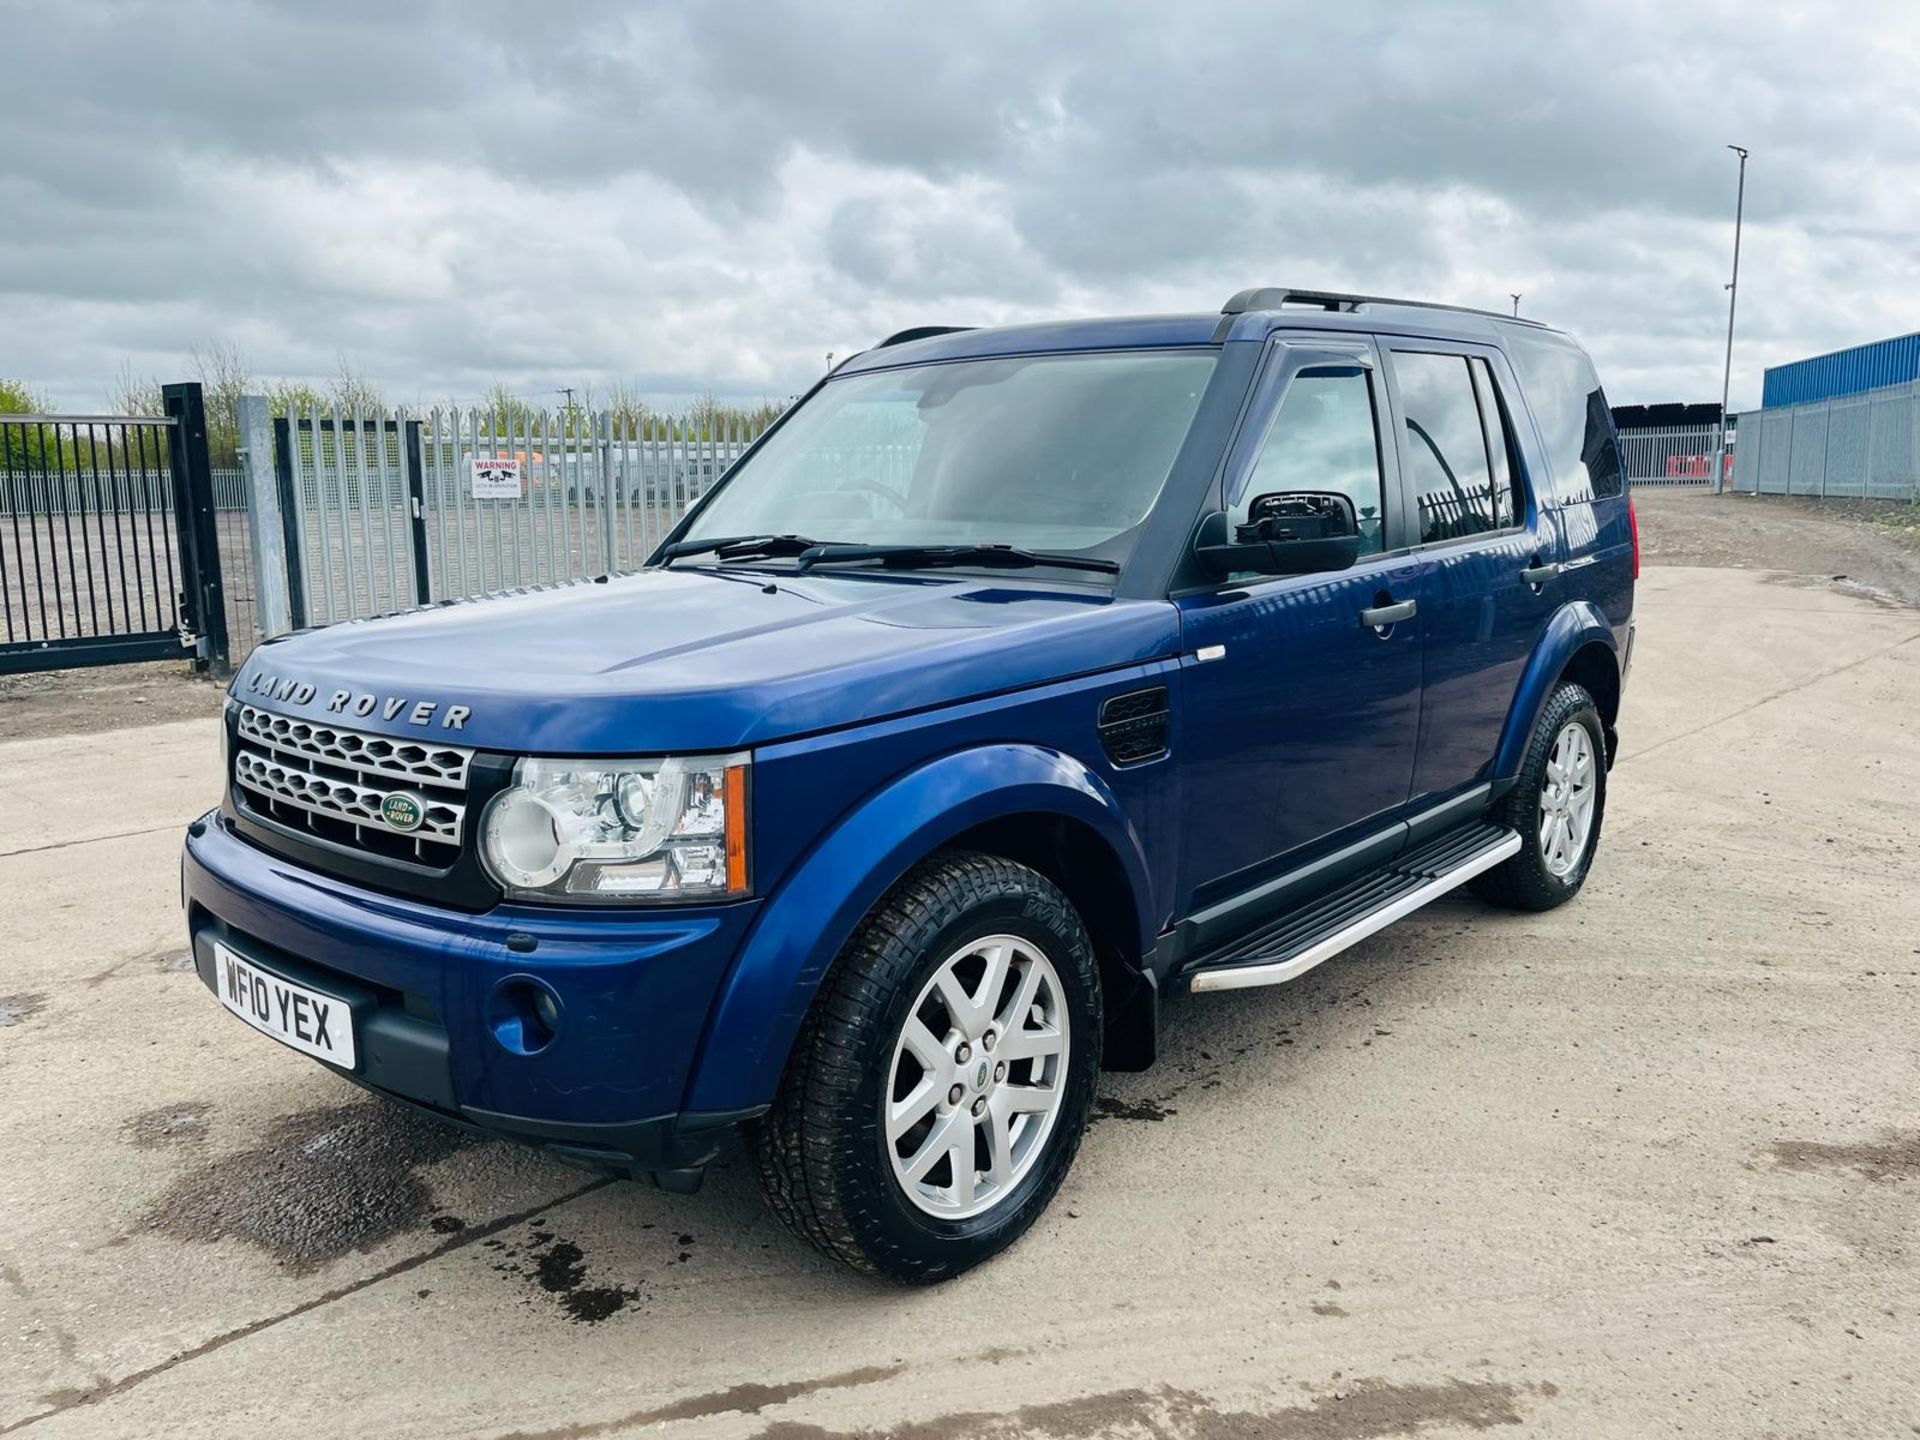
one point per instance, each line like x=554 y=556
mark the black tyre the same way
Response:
x=1557 y=805
x=940 y=1084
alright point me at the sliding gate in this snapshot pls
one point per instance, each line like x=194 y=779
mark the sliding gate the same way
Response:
x=108 y=545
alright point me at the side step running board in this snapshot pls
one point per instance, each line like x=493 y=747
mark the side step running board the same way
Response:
x=1298 y=941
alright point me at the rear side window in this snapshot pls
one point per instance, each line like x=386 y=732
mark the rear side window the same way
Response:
x=1508 y=505
x=1566 y=398
x=1448 y=469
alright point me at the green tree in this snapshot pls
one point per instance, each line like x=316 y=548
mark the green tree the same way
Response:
x=353 y=393
x=20 y=445
x=504 y=410
x=294 y=397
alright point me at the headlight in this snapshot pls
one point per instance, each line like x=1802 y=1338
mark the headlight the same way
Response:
x=606 y=831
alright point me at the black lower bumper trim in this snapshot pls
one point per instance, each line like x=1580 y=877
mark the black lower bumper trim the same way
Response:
x=685 y=1140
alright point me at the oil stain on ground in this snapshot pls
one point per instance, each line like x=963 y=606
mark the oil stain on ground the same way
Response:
x=747 y=1399
x=1111 y=1107
x=1894 y=1156
x=184 y=1123
x=559 y=1268
x=317 y=1186
x=15 y=1008
x=1360 y=1410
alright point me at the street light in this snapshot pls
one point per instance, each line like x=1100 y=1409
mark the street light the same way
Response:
x=1516 y=302
x=1733 y=298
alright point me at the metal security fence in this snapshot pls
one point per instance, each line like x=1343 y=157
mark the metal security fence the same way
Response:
x=1862 y=447
x=1674 y=455
x=109 y=539
x=379 y=513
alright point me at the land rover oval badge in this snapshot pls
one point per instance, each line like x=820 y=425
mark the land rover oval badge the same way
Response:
x=403 y=811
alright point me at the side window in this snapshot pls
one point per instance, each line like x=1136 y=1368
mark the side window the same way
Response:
x=1566 y=398
x=1509 y=505
x=1324 y=438
x=1447 y=469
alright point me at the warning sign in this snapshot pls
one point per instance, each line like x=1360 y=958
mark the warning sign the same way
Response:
x=496 y=477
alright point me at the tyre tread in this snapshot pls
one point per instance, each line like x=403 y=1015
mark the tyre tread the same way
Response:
x=798 y=1146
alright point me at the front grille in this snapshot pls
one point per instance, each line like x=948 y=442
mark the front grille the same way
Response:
x=329 y=783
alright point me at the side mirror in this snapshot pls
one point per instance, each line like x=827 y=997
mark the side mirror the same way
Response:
x=1292 y=532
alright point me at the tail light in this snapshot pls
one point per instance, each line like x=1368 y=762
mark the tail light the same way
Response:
x=1633 y=528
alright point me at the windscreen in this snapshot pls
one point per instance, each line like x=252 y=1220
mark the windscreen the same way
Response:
x=1063 y=453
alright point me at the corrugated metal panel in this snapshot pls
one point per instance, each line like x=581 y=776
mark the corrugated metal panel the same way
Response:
x=1844 y=372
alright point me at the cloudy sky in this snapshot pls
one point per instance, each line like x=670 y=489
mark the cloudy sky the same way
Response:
x=685 y=197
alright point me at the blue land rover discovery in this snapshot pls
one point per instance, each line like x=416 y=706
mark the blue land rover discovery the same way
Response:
x=1015 y=680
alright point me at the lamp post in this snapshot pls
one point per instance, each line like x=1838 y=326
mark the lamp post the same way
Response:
x=1733 y=298
x=1516 y=303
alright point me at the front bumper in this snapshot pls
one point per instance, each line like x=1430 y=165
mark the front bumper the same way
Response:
x=633 y=989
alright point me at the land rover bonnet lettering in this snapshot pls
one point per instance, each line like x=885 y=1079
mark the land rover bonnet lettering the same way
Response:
x=360 y=703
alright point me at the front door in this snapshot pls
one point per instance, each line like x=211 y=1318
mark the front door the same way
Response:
x=1300 y=718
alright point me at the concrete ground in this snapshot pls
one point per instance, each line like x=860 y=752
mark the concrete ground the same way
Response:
x=1649 y=1164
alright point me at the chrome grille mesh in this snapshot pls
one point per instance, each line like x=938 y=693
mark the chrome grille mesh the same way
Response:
x=354 y=803
x=407 y=760
x=332 y=783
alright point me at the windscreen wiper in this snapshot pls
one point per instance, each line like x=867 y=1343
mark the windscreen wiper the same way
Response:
x=994 y=557
x=744 y=547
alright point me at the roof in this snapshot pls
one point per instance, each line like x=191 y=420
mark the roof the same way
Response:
x=1256 y=314
x=1852 y=371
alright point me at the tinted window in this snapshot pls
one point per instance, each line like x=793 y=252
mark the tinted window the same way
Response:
x=1447 y=467
x=1508 y=503
x=1323 y=439
x=1566 y=398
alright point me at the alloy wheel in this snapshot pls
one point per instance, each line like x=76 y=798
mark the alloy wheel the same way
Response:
x=978 y=1077
x=1567 y=796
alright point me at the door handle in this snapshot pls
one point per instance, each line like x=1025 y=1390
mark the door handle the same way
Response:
x=1537 y=575
x=1381 y=616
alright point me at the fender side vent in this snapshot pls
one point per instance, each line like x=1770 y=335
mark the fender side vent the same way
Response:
x=1133 y=727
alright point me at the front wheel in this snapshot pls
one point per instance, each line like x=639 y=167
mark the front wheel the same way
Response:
x=941 y=1082
x=1556 y=804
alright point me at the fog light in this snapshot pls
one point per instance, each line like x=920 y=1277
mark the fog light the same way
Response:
x=524 y=1015
x=546 y=1010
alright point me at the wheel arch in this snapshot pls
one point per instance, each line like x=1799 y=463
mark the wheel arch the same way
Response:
x=1089 y=872
x=1023 y=802
x=1579 y=645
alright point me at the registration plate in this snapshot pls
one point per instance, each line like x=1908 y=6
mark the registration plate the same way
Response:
x=310 y=1021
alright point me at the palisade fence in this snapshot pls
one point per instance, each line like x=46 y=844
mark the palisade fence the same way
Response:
x=379 y=513
x=1670 y=455
x=1862 y=447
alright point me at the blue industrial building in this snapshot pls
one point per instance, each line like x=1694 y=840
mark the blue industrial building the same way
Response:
x=1843 y=372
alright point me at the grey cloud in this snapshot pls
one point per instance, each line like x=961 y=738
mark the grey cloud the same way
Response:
x=718 y=195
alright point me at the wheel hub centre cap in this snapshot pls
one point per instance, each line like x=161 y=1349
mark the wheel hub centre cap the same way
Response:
x=982 y=1073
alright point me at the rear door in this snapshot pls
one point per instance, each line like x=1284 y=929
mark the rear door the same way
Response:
x=1487 y=544
x=1299 y=720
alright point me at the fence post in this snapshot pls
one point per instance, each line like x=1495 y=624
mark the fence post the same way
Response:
x=1866 y=477
x=204 y=601
x=292 y=550
x=1913 y=434
x=417 y=512
x=266 y=532
x=1826 y=450
x=603 y=446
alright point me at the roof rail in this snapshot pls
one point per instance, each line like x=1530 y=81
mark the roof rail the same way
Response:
x=920 y=332
x=1272 y=297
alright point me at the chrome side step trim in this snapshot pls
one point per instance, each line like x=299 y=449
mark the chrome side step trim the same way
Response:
x=1246 y=977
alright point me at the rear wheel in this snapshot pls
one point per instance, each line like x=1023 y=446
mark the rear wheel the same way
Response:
x=939 y=1088
x=1556 y=804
